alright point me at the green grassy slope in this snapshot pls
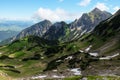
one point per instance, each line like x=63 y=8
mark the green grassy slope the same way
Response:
x=31 y=55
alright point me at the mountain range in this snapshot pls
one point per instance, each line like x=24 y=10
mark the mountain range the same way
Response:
x=63 y=31
x=56 y=51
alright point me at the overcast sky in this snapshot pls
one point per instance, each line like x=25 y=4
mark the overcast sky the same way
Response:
x=54 y=10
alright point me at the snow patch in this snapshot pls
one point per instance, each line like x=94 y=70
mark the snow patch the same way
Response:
x=69 y=57
x=76 y=35
x=81 y=51
x=55 y=70
x=84 y=78
x=58 y=60
x=109 y=57
x=42 y=57
x=88 y=49
x=73 y=29
x=41 y=76
x=83 y=32
x=55 y=76
x=76 y=71
x=93 y=54
x=75 y=32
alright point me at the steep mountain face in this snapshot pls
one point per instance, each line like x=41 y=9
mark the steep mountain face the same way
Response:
x=109 y=27
x=37 y=30
x=105 y=39
x=57 y=31
x=109 y=31
x=88 y=21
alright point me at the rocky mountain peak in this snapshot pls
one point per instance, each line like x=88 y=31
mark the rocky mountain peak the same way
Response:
x=45 y=21
x=37 y=29
x=96 y=10
x=88 y=21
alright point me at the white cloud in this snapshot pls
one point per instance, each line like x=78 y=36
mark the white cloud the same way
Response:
x=84 y=2
x=102 y=6
x=61 y=0
x=55 y=15
x=116 y=8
